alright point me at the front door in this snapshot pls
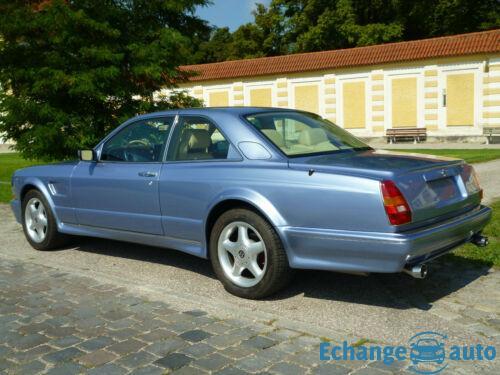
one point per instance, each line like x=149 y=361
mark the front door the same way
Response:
x=120 y=191
x=196 y=151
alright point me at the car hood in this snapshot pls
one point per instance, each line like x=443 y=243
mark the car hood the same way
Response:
x=46 y=169
x=379 y=164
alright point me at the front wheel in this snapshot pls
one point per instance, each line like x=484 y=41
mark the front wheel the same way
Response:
x=39 y=223
x=247 y=255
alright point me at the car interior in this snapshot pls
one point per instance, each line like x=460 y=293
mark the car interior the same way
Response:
x=198 y=140
x=139 y=142
x=293 y=136
x=194 y=139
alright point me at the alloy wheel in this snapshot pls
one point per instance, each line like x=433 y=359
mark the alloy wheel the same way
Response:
x=36 y=221
x=242 y=254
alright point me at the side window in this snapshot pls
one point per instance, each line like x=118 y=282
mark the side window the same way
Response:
x=196 y=138
x=281 y=130
x=140 y=142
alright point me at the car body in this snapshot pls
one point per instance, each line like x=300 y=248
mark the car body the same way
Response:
x=427 y=350
x=326 y=207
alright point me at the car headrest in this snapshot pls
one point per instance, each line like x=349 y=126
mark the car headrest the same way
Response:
x=309 y=137
x=199 y=138
x=274 y=136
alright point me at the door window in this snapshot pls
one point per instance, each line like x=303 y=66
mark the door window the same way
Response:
x=140 y=142
x=196 y=138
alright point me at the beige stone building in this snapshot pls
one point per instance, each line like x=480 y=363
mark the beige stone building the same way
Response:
x=448 y=85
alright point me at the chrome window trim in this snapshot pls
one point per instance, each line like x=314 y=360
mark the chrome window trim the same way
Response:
x=174 y=127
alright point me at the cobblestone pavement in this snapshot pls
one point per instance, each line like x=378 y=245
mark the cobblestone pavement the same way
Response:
x=57 y=322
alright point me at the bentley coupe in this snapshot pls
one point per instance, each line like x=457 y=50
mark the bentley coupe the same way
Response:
x=259 y=192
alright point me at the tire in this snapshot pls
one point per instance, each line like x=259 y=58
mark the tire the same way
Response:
x=235 y=256
x=39 y=225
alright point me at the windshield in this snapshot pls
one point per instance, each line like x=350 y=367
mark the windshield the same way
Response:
x=302 y=134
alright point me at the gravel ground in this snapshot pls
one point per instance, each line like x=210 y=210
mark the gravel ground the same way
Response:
x=461 y=301
x=59 y=322
x=489 y=177
x=388 y=308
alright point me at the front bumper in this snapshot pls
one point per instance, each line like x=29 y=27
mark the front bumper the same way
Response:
x=338 y=250
x=15 y=205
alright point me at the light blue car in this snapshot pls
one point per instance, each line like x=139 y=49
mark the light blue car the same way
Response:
x=258 y=191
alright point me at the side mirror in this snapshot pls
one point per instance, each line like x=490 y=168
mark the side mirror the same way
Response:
x=87 y=155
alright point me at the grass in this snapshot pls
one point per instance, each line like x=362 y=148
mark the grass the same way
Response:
x=490 y=255
x=469 y=155
x=362 y=342
x=9 y=162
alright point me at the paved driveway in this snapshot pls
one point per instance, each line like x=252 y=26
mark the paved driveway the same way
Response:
x=489 y=176
x=460 y=300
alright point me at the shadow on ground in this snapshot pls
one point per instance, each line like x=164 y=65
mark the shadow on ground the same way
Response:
x=398 y=291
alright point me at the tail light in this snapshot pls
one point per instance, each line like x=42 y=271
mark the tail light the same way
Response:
x=397 y=208
x=471 y=181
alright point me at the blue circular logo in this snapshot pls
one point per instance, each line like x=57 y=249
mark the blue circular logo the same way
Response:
x=428 y=353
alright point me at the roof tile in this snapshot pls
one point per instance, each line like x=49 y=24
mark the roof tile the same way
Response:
x=455 y=45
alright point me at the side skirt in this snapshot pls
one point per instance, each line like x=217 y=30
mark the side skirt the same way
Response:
x=186 y=246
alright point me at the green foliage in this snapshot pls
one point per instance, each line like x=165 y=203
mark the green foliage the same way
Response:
x=490 y=255
x=73 y=70
x=10 y=162
x=264 y=37
x=289 y=26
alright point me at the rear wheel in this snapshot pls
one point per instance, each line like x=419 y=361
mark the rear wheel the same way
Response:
x=39 y=223
x=247 y=255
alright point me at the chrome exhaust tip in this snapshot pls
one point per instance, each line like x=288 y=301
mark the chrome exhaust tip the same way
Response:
x=418 y=272
x=480 y=240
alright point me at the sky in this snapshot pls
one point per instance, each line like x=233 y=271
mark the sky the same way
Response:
x=230 y=13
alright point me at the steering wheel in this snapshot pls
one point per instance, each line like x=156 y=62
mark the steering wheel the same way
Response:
x=144 y=152
x=141 y=142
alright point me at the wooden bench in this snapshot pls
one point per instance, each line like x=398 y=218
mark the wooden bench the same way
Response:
x=491 y=132
x=417 y=134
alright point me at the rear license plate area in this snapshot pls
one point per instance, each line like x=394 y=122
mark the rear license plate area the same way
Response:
x=444 y=189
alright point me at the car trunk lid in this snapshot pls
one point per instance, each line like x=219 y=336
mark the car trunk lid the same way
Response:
x=434 y=187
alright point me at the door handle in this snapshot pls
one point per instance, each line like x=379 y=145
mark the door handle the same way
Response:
x=147 y=174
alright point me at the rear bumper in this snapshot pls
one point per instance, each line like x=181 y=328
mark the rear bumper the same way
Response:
x=336 y=250
x=15 y=205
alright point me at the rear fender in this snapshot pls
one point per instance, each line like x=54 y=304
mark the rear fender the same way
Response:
x=251 y=197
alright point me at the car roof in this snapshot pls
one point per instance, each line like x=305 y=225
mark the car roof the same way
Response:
x=238 y=111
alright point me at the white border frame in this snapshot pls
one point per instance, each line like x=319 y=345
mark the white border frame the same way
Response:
x=451 y=69
x=356 y=77
x=207 y=90
x=308 y=81
x=248 y=86
x=390 y=75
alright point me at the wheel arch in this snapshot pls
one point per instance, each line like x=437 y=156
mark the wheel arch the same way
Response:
x=243 y=199
x=37 y=184
x=25 y=189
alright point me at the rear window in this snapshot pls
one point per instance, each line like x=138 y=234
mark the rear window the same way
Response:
x=301 y=134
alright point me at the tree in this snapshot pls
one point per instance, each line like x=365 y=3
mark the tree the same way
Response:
x=215 y=48
x=258 y=39
x=346 y=24
x=290 y=26
x=73 y=70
